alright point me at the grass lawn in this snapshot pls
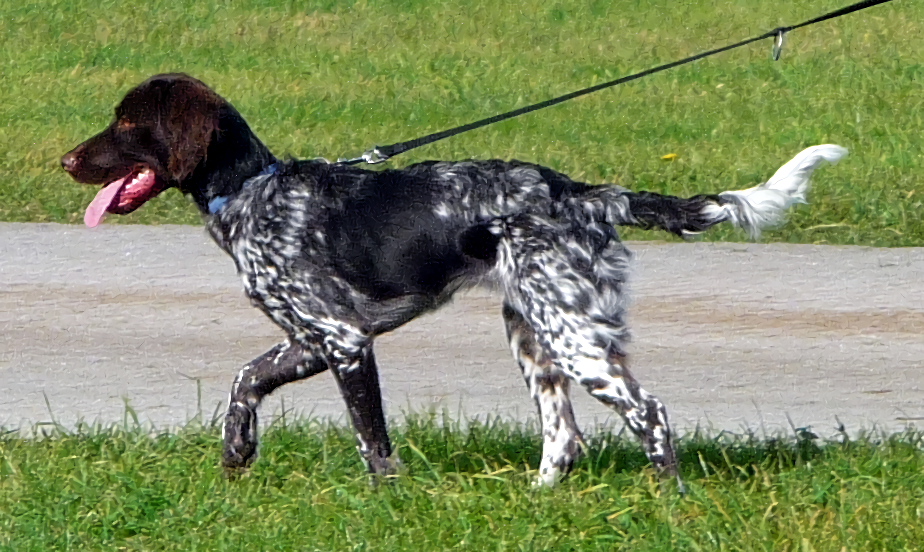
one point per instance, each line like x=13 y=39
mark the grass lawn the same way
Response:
x=326 y=78
x=108 y=489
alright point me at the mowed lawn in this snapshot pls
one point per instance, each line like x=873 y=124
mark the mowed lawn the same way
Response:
x=116 y=489
x=331 y=78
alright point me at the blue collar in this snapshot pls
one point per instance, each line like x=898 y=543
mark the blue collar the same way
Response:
x=216 y=204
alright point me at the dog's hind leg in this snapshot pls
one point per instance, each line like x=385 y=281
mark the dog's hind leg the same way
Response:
x=602 y=371
x=609 y=381
x=284 y=363
x=567 y=280
x=561 y=437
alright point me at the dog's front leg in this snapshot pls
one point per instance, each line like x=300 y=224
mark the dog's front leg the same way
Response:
x=358 y=378
x=284 y=363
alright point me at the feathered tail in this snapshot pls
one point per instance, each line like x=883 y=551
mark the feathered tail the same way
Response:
x=764 y=205
x=751 y=210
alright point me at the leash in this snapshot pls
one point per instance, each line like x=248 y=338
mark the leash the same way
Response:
x=381 y=154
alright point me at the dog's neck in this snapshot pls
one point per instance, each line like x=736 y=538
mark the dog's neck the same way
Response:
x=235 y=155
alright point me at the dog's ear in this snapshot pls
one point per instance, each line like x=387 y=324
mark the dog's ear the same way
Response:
x=190 y=125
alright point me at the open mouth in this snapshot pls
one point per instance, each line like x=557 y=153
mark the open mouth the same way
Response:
x=124 y=195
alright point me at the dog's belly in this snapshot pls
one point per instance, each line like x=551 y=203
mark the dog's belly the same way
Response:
x=300 y=294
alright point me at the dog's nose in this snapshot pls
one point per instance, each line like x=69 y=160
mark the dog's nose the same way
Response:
x=69 y=162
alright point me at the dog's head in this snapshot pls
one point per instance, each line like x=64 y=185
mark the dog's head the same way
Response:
x=160 y=134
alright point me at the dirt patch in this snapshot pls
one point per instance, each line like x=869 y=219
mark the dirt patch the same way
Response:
x=709 y=311
x=730 y=337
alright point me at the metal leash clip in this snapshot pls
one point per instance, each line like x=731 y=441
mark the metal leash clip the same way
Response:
x=777 y=45
x=372 y=157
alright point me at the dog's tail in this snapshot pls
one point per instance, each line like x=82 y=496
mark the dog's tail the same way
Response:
x=752 y=210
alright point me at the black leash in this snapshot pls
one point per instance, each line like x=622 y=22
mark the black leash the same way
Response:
x=381 y=154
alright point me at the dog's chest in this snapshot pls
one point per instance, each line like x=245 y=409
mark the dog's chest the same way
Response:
x=283 y=260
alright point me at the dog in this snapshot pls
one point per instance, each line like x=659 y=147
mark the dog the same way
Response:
x=337 y=255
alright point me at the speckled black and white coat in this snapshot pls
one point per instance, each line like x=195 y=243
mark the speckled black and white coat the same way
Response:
x=337 y=255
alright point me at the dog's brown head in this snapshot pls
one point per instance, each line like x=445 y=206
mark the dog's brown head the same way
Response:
x=164 y=132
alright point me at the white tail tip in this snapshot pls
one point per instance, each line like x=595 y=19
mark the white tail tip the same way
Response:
x=764 y=205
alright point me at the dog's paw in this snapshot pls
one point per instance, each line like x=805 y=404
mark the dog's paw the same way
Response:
x=549 y=475
x=384 y=468
x=394 y=465
x=240 y=437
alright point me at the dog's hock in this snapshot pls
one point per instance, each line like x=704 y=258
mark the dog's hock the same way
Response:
x=765 y=205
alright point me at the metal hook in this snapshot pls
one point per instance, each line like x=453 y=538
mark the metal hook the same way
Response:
x=777 y=45
x=374 y=156
x=371 y=157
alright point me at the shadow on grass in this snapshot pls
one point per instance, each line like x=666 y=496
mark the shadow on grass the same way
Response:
x=440 y=445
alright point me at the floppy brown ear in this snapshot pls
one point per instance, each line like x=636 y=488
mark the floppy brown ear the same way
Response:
x=191 y=123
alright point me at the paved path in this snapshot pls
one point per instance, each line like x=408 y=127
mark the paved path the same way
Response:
x=730 y=336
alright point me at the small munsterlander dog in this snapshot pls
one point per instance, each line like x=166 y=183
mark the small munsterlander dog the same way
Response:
x=337 y=255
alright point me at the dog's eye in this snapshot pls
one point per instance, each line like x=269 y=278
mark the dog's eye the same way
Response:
x=125 y=124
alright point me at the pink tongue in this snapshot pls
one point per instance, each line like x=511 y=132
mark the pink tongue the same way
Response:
x=102 y=201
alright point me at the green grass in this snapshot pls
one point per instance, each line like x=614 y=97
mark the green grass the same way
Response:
x=326 y=78
x=112 y=488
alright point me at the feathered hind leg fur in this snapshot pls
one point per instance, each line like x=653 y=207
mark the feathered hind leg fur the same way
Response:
x=564 y=283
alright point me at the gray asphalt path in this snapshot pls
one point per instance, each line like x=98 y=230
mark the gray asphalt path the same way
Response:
x=729 y=336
